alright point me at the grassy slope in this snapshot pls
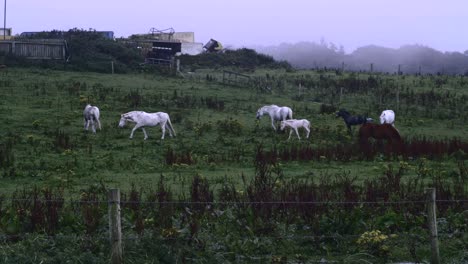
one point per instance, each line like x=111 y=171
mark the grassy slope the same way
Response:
x=34 y=103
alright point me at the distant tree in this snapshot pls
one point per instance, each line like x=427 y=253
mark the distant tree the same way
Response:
x=409 y=57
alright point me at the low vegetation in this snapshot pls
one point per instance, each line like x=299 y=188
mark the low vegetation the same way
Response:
x=228 y=188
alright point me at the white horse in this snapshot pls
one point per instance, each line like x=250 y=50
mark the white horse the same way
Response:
x=294 y=124
x=275 y=112
x=387 y=117
x=91 y=115
x=143 y=119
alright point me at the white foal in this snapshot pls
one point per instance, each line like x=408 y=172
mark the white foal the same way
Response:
x=294 y=124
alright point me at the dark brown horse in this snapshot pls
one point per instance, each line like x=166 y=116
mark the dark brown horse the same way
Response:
x=380 y=132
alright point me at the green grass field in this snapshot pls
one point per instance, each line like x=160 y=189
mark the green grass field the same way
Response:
x=221 y=137
x=43 y=144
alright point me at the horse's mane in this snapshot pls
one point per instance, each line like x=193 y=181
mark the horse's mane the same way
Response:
x=344 y=113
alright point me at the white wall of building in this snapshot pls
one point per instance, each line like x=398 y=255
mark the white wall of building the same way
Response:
x=192 y=48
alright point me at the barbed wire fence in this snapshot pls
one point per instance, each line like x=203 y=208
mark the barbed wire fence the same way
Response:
x=116 y=237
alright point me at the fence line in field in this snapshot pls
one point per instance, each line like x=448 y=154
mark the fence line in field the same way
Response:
x=240 y=202
x=114 y=202
x=139 y=237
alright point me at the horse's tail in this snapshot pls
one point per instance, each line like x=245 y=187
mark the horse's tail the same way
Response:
x=169 y=124
x=290 y=114
x=396 y=133
x=99 y=123
x=96 y=115
x=397 y=140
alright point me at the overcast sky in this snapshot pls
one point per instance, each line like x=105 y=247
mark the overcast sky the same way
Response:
x=352 y=23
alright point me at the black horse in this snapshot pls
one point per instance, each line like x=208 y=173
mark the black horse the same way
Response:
x=352 y=120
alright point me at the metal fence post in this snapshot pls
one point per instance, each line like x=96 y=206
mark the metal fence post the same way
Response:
x=115 y=228
x=432 y=218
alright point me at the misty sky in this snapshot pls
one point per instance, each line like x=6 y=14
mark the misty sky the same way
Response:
x=352 y=23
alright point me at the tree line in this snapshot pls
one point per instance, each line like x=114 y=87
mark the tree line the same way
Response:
x=411 y=59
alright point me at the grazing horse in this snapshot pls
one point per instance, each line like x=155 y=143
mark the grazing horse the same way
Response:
x=91 y=115
x=379 y=132
x=294 y=124
x=387 y=117
x=143 y=119
x=275 y=112
x=352 y=120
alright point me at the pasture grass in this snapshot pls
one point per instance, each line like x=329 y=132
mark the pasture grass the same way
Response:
x=38 y=105
x=42 y=144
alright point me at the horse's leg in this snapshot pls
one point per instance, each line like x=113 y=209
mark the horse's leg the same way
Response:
x=93 y=127
x=168 y=129
x=273 y=124
x=290 y=133
x=308 y=131
x=297 y=133
x=381 y=145
x=99 y=123
x=135 y=128
x=144 y=131
x=163 y=128
x=84 y=126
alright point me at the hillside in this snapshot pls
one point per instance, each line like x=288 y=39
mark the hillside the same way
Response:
x=229 y=187
x=411 y=58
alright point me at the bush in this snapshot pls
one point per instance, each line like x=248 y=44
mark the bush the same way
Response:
x=247 y=59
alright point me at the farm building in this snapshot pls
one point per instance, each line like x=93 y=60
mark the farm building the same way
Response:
x=5 y=34
x=105 y=34
x=54 y=49
x=162 y=45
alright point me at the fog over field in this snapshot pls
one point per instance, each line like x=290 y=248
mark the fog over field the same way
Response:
x=408 y=58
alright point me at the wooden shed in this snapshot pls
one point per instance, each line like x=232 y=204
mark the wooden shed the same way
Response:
x=53 y=49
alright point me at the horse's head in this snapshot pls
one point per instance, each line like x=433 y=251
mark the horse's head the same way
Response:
x=342 y=113
x=382 y=119
x=123 y=120
x=283 y=125
x=259 y=113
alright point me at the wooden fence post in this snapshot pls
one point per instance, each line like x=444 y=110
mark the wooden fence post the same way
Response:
x=432 y=222
x=398 y=97
x=115 y=228
x=341 y=93
x=112 y=66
